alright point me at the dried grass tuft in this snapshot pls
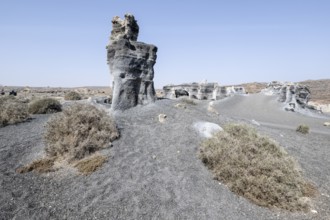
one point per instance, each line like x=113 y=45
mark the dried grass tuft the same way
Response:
x=90 y=164
x=45 y=106
x=72 y=95
x=44 y=165
x=304 y=129
x=12 y=111
x=257 y=168
x=79 y=131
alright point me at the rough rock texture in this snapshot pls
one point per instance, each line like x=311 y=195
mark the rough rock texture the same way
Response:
x=131 y=65
x=201 y=91
x=293 y=94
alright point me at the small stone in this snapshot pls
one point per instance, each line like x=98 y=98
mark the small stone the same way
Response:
x=206 y=129
x=162 y=118
x=154 y=157
x=255 y=122
x=327 y=124
x=313 y=211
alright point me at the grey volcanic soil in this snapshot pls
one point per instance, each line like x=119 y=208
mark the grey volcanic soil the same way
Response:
x=153 y=171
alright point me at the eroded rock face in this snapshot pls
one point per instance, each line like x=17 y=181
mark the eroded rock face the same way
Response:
x=131 y=65
x=201 y=91
x=293 y=94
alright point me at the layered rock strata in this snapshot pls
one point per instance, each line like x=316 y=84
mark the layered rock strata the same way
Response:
x=131 y=65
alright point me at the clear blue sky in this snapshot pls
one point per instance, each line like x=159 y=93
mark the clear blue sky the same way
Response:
x=62 y=42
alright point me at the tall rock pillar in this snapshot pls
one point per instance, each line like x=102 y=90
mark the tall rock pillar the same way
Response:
x=131 y=65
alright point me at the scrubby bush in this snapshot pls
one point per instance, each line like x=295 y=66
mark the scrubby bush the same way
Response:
x=79 y=131
x=72 y=95
x=304 y=129
x=43 y=165
x=256 y=167
x=188 y=101
x=45 y=106
x=90 y=164
x=12 y=111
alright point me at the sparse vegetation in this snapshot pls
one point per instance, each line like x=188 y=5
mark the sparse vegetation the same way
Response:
x=90 y=164
x=12 y=111
x=45 y=106
x=43 y=165
x=74 y=135
x=304 y=129
x=72 y=95
x=79 y=131
x=188 y=101
x=257 y=168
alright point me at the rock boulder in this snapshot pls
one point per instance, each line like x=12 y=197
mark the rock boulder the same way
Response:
x=131 y=65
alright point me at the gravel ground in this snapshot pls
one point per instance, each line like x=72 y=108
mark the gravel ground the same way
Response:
x=153 y=171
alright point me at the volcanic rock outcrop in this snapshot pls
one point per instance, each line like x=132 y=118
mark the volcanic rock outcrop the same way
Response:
x=131 y=65
x=201 y=91
x=293 y=94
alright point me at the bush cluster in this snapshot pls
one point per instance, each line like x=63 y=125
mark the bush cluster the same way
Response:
x=304 y=129
x=79 y=131
x=12 y=111
x=72 y=95
x=45 y=106
x=257 y=168
x=188 y=101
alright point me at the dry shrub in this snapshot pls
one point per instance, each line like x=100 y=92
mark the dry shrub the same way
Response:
x=90 y=164
x=188 y=101
x=304 y=129
x=45 y=106
x=79 y=131
x=12 y=111
x=257 y=168
x=72 y=95
x=44 y=165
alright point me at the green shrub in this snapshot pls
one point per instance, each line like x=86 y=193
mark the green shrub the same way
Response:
x=45 y=106
x=257 y=168
x=79 y=131
x=72 y=95
x=12 y=111
x=304 y=129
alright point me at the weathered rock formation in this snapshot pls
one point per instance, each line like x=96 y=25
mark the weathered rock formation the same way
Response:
x=293 y=94
x=201 y=91
x=131 y=65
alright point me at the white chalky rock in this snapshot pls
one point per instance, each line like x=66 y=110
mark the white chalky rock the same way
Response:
x=207 y=129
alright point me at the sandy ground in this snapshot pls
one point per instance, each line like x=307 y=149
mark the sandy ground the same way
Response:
x=153 y=171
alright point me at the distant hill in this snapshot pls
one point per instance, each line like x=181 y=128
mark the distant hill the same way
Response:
x=320 y=90
x=254 y=87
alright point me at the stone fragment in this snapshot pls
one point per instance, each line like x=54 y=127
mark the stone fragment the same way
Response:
x=327 y=124
x=131 y=65
x=162 y=118
x=206 y=129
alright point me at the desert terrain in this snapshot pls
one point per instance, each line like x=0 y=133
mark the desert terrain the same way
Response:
x=153 y=170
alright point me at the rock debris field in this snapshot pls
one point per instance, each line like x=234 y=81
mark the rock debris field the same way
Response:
x=153 y=170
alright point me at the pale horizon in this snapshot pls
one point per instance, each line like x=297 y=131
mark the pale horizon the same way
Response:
x=62 y=44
